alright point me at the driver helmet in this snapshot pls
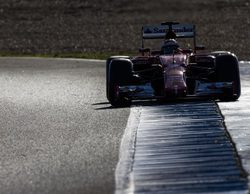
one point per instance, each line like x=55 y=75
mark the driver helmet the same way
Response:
x=169 y=46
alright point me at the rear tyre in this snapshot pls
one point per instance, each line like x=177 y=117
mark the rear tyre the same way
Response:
x=119 y=74
x=227 y=70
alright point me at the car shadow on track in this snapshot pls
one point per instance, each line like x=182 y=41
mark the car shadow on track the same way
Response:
x=100 y=103
x=105 y=106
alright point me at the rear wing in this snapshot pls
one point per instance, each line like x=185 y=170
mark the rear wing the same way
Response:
x=159 y=31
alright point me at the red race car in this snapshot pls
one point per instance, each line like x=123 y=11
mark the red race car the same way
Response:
x=172 y=72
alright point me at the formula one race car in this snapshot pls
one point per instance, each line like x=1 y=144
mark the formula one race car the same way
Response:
x=172 y=72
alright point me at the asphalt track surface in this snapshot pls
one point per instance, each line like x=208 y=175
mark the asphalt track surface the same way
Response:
x=57 y=133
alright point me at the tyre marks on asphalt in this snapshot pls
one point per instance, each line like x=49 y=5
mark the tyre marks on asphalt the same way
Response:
x=182 y=148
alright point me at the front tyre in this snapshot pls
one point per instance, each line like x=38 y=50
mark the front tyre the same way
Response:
x=108 y=62
x=227 y=70
x=120 y=74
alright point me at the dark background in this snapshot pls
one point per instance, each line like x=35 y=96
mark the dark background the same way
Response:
x=77 y=26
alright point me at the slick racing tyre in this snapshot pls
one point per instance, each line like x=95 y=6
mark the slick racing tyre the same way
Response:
x=119 y=74
x=108 y=61
x=227 y=70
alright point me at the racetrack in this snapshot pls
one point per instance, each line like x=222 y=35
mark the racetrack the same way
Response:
x=58 y=134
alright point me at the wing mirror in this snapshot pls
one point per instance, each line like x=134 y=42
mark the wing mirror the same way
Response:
x=200 y=47
x=144 y=50
x=187 y=51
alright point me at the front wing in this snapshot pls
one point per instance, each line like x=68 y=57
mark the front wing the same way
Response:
x=202 y=89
